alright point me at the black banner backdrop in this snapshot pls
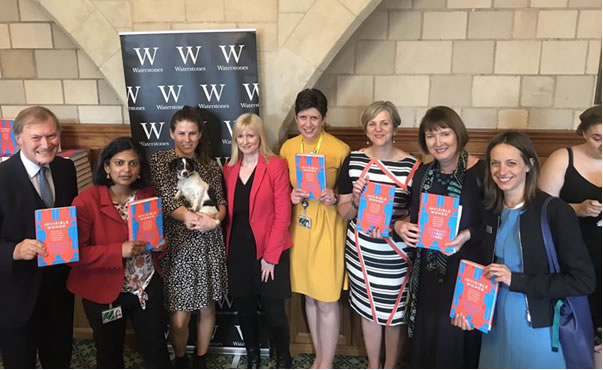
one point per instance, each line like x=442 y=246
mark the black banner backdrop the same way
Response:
x=215 y=70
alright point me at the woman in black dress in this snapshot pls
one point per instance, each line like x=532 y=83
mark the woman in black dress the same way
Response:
x=257 y=237
x=580 y=187
x=453 y=172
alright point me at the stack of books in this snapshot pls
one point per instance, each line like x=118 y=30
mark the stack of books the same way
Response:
x=80 y=158
x=8 y=143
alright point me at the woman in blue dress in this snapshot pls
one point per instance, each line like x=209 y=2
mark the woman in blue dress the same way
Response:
x=522 y=325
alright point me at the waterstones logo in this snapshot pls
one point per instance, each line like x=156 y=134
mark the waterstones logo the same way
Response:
x=228 y=52
x=185 y=55
x=133 y=93
x=213 y=92
x=150 y=128
x=252 y=91
x=170 y=93
x=143 y=56
x=225 y=302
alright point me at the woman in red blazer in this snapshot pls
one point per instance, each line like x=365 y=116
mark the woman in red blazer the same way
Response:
x=117 y=277
x=257 y=237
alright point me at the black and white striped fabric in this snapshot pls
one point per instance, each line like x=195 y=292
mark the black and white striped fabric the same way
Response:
x=376 y=268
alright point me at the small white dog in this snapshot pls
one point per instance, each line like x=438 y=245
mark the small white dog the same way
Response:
x=192 y=187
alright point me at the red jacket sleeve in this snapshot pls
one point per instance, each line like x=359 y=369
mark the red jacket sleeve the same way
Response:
x=279 y=238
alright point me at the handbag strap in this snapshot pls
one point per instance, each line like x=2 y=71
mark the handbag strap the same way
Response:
x=548 y=238
x=551 y=255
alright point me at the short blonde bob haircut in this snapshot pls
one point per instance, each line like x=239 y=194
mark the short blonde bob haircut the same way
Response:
x=377 y=107
x=253 y=122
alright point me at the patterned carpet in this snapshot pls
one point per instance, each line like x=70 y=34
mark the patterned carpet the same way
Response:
x=84 y=358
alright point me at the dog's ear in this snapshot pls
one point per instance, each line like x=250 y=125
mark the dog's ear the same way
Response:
x=172 y=165
x=196 y=166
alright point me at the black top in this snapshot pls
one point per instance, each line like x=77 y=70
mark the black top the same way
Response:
x=577 y=276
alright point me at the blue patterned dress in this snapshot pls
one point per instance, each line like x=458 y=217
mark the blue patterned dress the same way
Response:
x=512 y=342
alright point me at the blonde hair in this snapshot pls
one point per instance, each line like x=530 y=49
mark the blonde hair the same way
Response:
x=377 y=107
x=248 y=121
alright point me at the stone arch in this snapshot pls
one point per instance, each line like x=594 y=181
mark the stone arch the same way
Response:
x=298 y=63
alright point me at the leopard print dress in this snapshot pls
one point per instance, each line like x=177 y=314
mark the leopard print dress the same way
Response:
x=194 y=266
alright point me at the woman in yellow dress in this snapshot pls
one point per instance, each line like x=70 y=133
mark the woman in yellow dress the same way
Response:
x=318 y=232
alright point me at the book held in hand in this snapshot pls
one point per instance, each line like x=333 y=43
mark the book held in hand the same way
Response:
x=145 y=221
x=376 y=208
x=56 y=228
x=311 y=173
x=8 y=142
x=439 y=217
x=474 y=296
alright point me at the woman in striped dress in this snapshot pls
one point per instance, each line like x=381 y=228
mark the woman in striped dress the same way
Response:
x=378 y=267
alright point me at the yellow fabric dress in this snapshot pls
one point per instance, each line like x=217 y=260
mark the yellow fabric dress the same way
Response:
x=317 y=255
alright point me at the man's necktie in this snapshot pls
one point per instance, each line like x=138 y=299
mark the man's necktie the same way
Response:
x=45 y=192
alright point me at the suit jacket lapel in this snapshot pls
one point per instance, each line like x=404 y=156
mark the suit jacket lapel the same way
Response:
x=260 y=170
x=106 y=204
x=231 y=185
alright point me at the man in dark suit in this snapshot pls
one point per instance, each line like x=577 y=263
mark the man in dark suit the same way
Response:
x=36 y=310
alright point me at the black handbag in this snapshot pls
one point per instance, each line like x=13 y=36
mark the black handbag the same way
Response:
x=572 y=323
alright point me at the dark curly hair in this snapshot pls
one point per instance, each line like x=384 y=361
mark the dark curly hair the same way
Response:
x=200 y=117
x=588 y=118
x=118 y=145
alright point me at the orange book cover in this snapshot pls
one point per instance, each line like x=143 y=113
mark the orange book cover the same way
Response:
x=145 y=221
x=57 y=229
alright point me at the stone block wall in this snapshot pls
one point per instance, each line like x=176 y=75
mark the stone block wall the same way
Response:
x=499 y=63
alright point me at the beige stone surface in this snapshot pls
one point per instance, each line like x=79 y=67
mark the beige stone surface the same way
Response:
x=152 y=26
x=4 y=37
x=343 y=117
x=563 y=57
x=517 y=57
x=470 y=4
x=394 y=4
x=354 y=90
x=344 y=61
x=80 y=91
x=551 y=119
x=118 y=13
x=512 y=4
x=114 y=71
x=294 y=6
x=328 y=85
x=17 y=64
x=375 y=57
x=423 y=57
x=495 y=91
x=65 y=113
x=408 y=117
x=585 y=4
x=11 y=111
x=56 y=63
x=452 y=90
x=30 y=35
x=537 y=91
x=106 y=94
x=556 y=24
x=403 y=91
x=267 y=35
x=374 y=27
x=405 y=25
x=286 y=24
x=525 y=24
x=87 y=67
x=10 y=11
x=250 y=10
x=204 y=10
x=312 y=39
x=548 y=3
x=473 y=57
x=158 y=11
x=191 y=26
x=358 y=7
x=479 y=117
x=490 y=24
x=31 y=11
x=512 y=119
x=43 y=92
x=100 y=114
x=589 y=25
x=574 y=91
x=60 y=39
x=594 y=53
x=444 y=25
x=72 y=16
x=98 y=38
x=429 y=4
x=12 y=92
